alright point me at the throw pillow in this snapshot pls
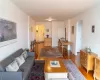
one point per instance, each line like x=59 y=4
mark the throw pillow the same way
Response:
x=20 y=60
x=12 y=66
x=25 y=55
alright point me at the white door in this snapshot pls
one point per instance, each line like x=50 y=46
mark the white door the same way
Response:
x=61 y=32
x=58 y=31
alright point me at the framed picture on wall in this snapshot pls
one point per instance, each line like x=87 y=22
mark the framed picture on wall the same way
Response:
x=93 y=28
x=47 y=30
x=8 y=33
x=72 y=29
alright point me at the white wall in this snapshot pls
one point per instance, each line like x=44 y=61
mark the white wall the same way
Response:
x=47 y=25
x=89 y=18
x=68 y=33
x=31 y=29
x=11 y=12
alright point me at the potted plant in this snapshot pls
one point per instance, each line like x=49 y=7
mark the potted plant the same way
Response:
x=47 y=33
x=47 y=36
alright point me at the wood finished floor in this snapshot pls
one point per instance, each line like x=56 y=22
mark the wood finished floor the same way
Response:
x=76 y=60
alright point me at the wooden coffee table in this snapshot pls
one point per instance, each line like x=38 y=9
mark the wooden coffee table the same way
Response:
x=55 y=73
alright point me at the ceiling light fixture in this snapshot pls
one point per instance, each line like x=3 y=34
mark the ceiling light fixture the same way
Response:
x=50 y=19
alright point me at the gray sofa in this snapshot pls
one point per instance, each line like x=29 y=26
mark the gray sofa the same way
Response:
x=24 y=70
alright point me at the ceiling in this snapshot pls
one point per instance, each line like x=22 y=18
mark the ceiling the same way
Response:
x=57 y=9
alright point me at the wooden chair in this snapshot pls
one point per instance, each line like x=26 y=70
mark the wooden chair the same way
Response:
x=97 y=69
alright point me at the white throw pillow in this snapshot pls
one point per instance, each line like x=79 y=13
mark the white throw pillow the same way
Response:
x=12 y=66
x=20 y=60
x=25 y=54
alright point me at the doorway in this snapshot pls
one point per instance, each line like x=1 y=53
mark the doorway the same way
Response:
x=40 y=29
x=79 y=26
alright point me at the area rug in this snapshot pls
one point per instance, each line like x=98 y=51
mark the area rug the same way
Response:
x=50 y=53
x=37 y=72
x=72 y=68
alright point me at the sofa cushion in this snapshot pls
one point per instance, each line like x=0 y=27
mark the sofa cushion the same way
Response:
x=26 y=73
x=26 y=67
x=9 y=60
x=31 y=54
x=30 y=58
x=25 y=55
x=17 y=53
x=5 y=63
x=27 y=64
x=12 y=66
x=20 y=60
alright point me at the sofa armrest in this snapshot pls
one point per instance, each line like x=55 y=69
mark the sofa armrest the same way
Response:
x=31 y=54
x=11 y=75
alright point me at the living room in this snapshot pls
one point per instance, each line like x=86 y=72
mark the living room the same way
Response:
x=60 y=19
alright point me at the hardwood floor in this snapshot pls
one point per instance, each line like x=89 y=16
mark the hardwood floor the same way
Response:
x=88 y=76
x=76 y=60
